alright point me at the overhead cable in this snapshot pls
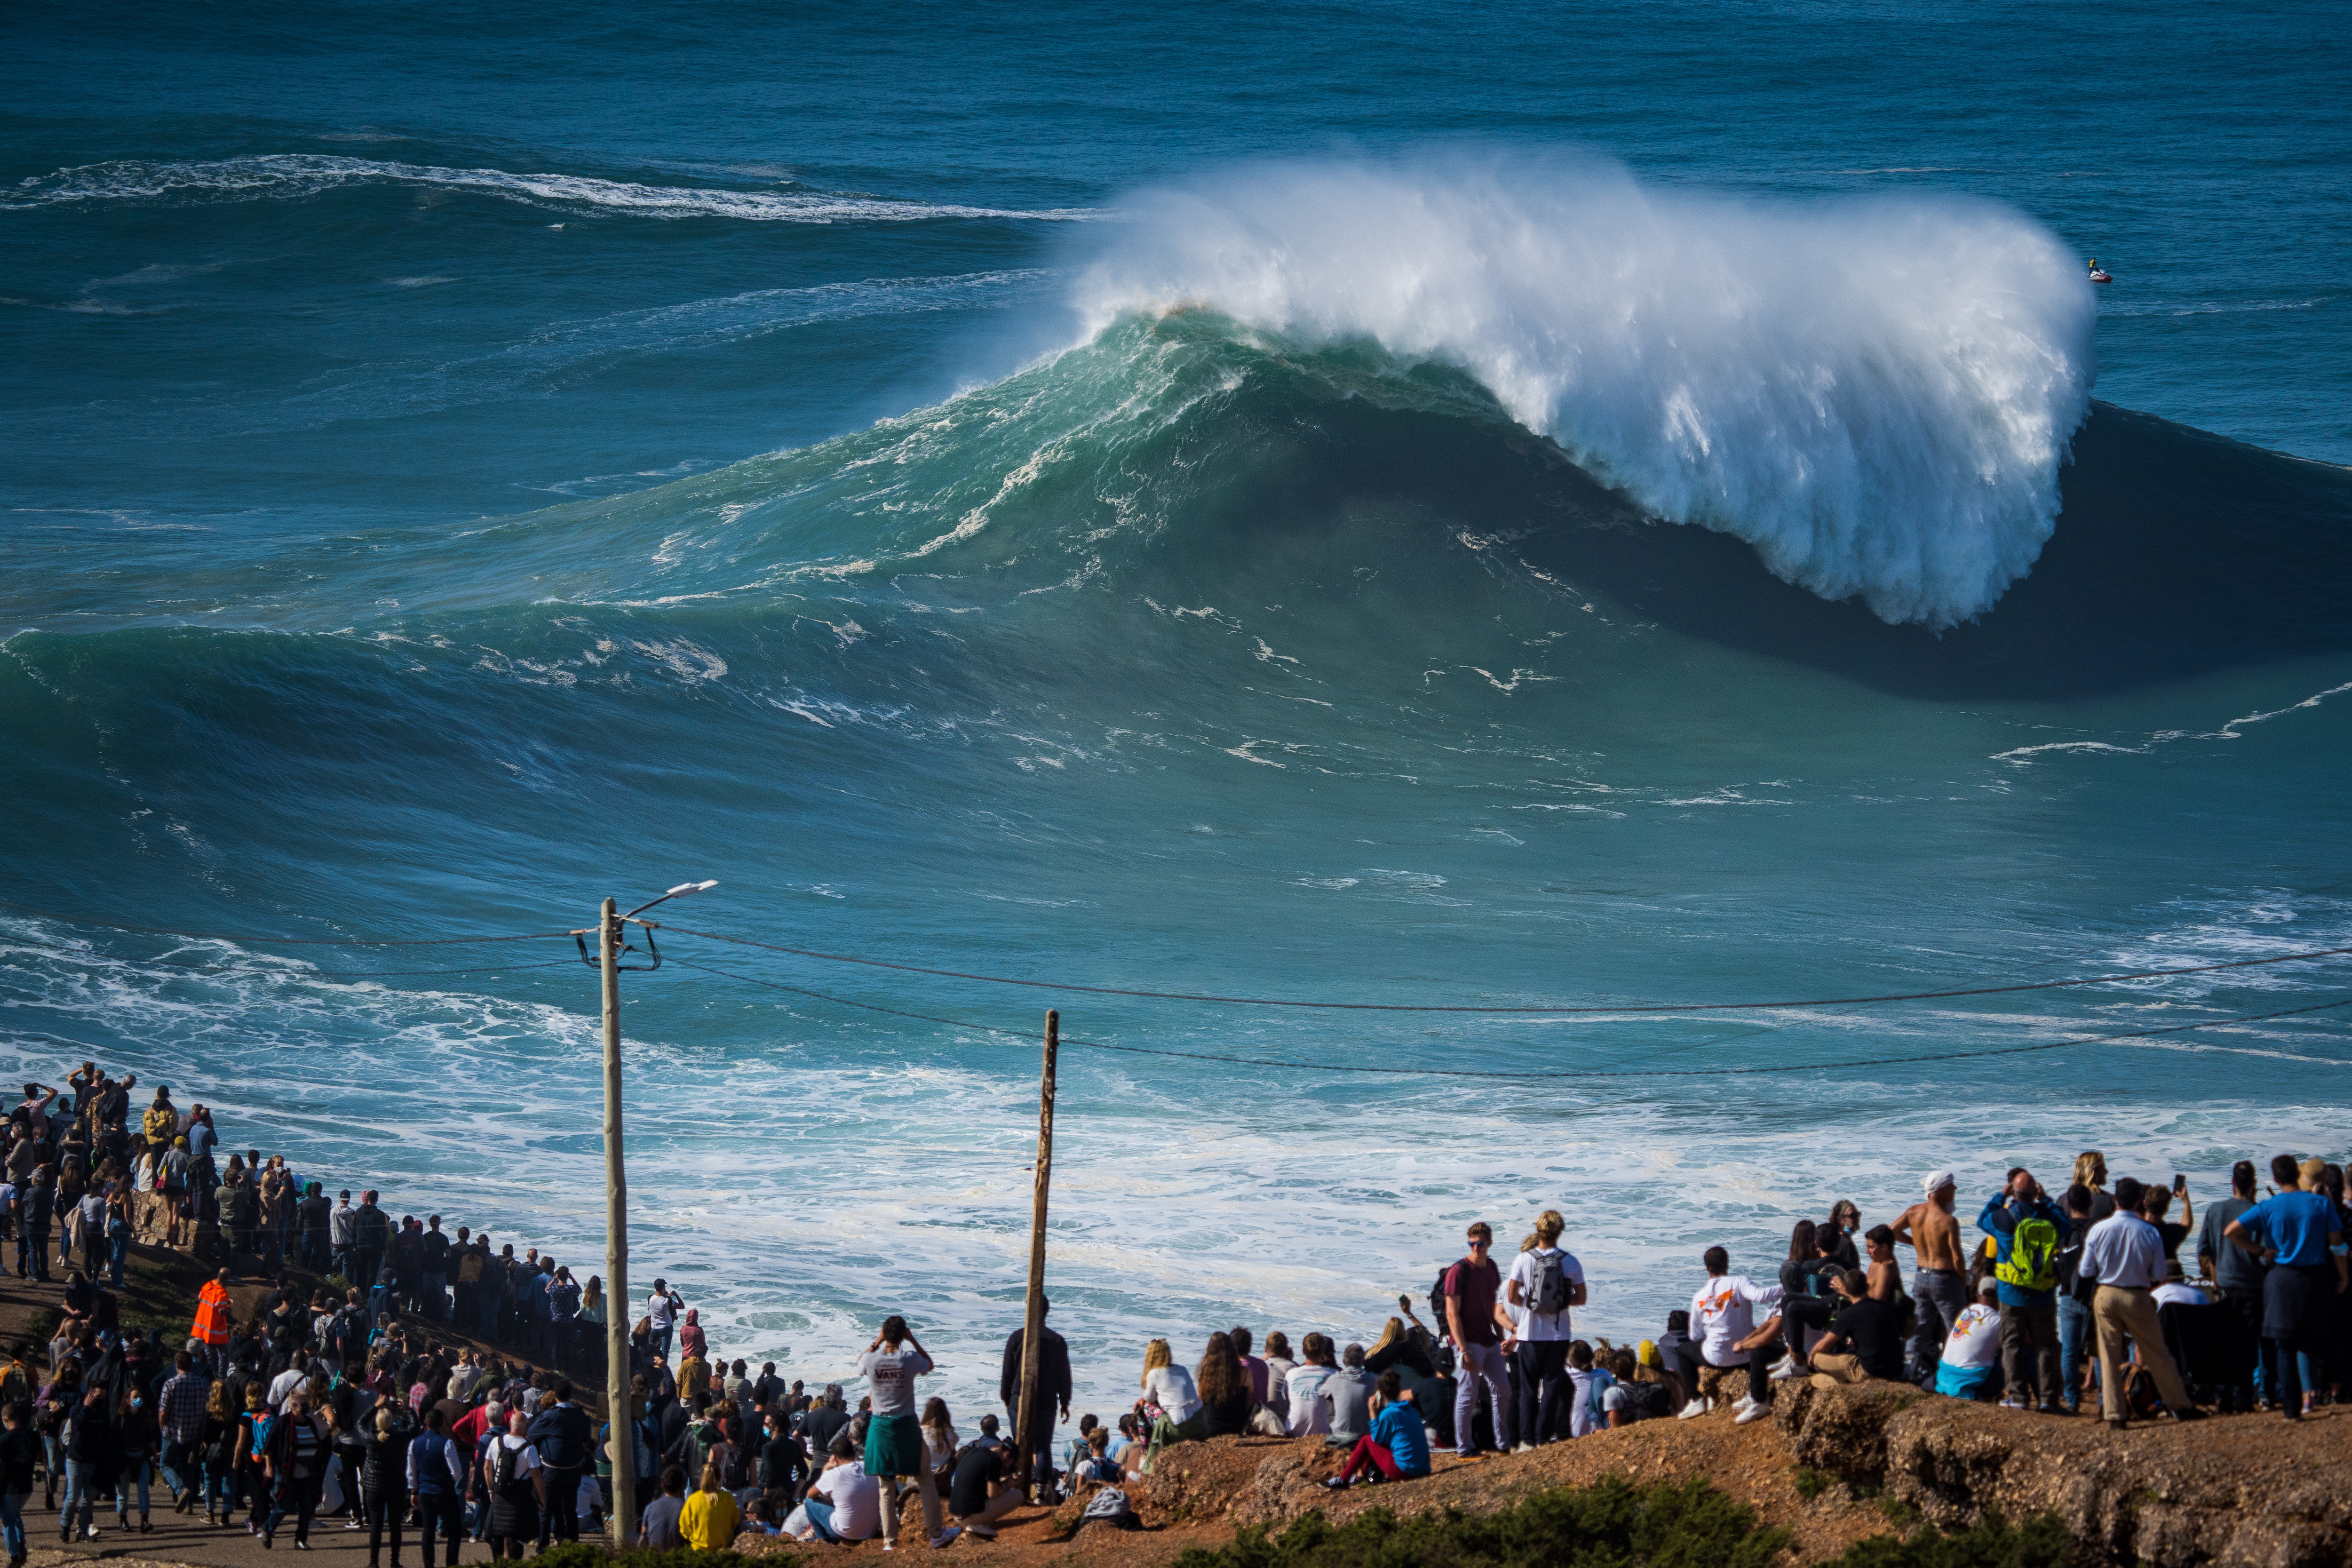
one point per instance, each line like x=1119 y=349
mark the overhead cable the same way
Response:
x=1565 y=1007
x=1566 y=1073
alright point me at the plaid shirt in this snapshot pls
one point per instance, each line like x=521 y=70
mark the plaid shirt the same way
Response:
x=182 y=1413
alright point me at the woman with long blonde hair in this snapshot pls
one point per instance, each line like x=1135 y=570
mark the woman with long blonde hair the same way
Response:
x=2091 y=1170
x=1172 y=1402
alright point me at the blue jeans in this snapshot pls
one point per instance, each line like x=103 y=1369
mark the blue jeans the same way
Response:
x=220 y=1490
x=134 y=1474
x=80 y=1495
x=2074 y=1328
x=1482 y=1362
x=1938 y=1295
x=820 y=1514
x=178 y=1468
x=117 y=1250
x=12 y=1521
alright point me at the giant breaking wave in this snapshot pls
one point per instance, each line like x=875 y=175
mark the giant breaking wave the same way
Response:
x=1876 y=395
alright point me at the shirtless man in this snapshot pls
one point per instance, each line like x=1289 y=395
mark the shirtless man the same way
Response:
x=1939 y=1288
x=1885 y=1274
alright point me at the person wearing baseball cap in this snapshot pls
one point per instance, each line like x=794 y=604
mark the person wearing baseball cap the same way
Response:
x=1939 y=1288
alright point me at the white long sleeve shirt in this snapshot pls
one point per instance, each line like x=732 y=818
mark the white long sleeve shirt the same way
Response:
x=1721 y=1315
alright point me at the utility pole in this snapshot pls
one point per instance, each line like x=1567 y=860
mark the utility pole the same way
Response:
x=1033 y=1329
x=619 y=1419
x=612 y=941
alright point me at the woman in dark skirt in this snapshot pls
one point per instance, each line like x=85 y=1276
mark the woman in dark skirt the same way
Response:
x=518 y=1489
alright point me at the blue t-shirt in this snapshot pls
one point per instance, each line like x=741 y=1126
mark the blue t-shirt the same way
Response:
x=1398 y=1429
x=2295 y=1223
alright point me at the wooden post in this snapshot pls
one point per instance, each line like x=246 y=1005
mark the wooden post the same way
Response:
x=618 y=1416
x=1033 y=1328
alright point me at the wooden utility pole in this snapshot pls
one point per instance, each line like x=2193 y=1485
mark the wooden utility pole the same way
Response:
x=1033 y=1329
x=619 y=1418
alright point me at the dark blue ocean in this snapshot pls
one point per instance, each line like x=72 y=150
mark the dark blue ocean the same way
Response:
x=1507 y=506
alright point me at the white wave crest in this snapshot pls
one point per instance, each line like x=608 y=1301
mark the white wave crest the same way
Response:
x=293 y=175
x=1876 y=394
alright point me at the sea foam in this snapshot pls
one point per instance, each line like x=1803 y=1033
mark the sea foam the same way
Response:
x=1877 y=395
x=297 y=176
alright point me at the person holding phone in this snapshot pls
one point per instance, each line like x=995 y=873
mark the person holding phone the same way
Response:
x=894 y=1439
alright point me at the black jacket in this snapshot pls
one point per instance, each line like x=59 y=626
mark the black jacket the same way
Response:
x=1053 y=1369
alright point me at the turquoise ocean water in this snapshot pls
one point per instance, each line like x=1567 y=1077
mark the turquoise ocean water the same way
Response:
x=1378 y=504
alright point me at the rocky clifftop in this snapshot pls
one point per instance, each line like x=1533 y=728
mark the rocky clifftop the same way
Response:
x=1838 y=1465
x=2246 y=1490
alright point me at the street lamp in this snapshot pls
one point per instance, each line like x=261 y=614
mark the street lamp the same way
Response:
x=619 y=1419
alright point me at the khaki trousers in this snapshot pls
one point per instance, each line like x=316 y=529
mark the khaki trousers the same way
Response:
x=2120 y=1314
x=1830 y=1369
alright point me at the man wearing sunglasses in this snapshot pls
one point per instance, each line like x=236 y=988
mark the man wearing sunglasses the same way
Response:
x=1474 y=1319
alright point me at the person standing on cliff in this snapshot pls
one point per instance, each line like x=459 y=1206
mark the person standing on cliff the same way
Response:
x=2028 y=1232
x=1939 y=1286
x=2126 y=1255
x=1545 y=1283
x=2240 y=1274
x=1054 y=1387
x=2297 y=1233
x=1474 y=1318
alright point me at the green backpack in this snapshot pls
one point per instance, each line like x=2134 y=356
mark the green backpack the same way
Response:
x=2032 y=1260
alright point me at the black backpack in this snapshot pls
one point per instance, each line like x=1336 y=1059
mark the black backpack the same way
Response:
x=1647 y=1401
x=503 y=1457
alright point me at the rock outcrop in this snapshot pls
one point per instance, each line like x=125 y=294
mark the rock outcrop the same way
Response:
x=2245 y=1492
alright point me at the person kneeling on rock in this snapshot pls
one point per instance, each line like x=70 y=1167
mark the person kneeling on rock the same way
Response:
x=1397 y=1447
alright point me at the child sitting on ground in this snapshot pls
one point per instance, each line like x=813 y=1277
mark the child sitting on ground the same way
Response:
x=1397 y=1447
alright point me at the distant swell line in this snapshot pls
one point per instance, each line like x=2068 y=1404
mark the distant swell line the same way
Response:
x=294 y=176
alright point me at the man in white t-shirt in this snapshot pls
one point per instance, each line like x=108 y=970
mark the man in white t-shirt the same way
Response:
x=1971 y=1357
x=1545 y=1282
x=1310 y=1410
x=844 y=1504
x=287 y=1384
x=1721 y=1315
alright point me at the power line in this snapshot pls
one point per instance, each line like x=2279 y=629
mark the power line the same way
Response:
x=280 y=940
x=1575 y=1008
x=1578 y=1008
x=1566 y=1073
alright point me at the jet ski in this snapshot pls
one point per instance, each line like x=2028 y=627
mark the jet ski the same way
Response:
x=2100 y=274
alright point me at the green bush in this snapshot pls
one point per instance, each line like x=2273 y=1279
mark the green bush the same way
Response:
x=2037 y=1543
x=1611 y=1524
x=584 y=1555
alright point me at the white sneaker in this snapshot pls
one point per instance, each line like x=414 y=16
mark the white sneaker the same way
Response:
x=1786 y=1370
x=1525 y=1448
x=1753 y=1413
x=1697 y=1407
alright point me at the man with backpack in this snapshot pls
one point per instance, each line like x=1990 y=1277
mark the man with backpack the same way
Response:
x=2027 y=1233
x=1545 y=1283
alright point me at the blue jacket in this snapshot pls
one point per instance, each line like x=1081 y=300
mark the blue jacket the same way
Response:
x=2002 y=1214
x=1398 y=1429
